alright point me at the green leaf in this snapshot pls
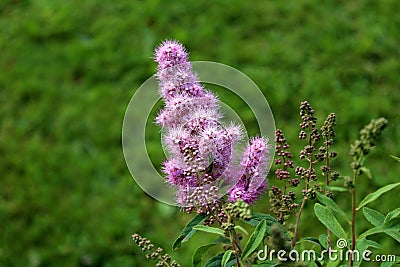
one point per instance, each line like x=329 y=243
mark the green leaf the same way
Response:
x=267 y=264
x=396 y=262
x=337 y=188
x=198 y=254
x=387 y=264
x=256 y=218
x=362 y=245
x=238 y=227
x=200 y=251
x=216 y=261
x=312 y=240
x=231 y=263
x=330 y=204
x=395 y=158
x=366 y=171
x=373 y=244
x=374 y=217
x=209 y=229
x=372 y=231
x=373 y=196
x=326 y=217
x=393 y=223
x=392 y=215
x=323 y=240
x=394 y=234
x=333 y=263
x=227 y=256
x=255 y=239
x=315 y=241
x=391 y=228
x=188 y=231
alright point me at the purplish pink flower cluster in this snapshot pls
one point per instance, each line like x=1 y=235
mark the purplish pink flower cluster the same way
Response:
x=201 y=154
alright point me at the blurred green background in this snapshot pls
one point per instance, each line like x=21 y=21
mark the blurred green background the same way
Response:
x=69 y=68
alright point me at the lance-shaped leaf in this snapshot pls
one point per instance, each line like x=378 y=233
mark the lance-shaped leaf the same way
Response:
x=209 y=229
x=255 y=239
x=256 y=218
x=188 y=230
x=216 y=261
x=330 y=204
x=326 y=217
x=200 y=251
x=392 y=215
x=374 y=217
x=226 y=258
x=373 y=196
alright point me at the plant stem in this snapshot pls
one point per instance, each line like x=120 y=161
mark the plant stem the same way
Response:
x=239 y=245
x=235 y=242
x=328 y=231
x=298 y=215
x=285 y=169
x=284 y=184
x=298 y=219
x=232 y=234
x=353 y=222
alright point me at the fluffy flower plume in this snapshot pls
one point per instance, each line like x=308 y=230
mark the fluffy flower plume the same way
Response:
x=201 y=149
x=254 y=165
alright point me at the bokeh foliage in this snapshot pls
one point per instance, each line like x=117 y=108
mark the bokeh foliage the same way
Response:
x=69 y=68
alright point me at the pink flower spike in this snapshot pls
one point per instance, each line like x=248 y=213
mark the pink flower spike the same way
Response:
x=170 y=53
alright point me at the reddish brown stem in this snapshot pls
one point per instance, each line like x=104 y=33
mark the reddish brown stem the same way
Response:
x=298 y=220
x=353 y=224
x=328 y=232
x=310 y=167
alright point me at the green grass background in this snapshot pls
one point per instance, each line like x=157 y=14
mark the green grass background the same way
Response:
x=69 y=68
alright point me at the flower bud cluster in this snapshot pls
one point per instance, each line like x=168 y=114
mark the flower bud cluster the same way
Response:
x=314 y=154
x=282 y=205
x=239 y=209
x=154 y=253
x=282 y=202
x=363 y=146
